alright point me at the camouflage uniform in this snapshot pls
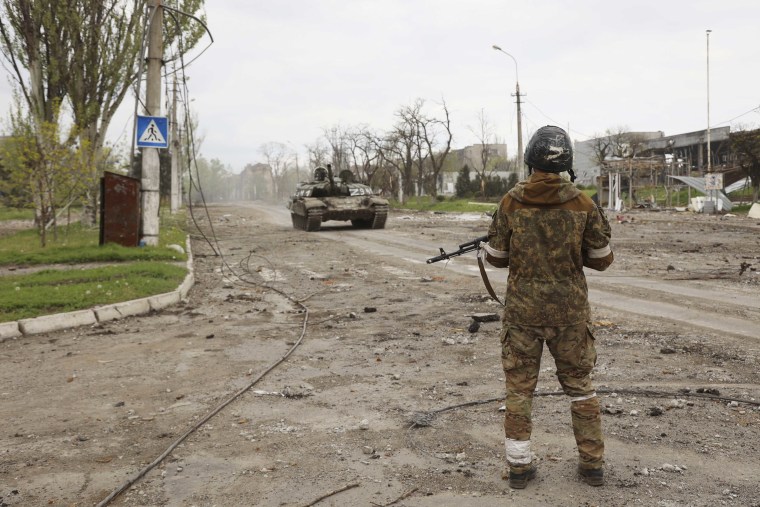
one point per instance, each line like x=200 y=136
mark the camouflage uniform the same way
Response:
x=545 y=230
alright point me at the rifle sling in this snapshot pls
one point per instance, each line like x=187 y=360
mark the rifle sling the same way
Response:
x=487 y=282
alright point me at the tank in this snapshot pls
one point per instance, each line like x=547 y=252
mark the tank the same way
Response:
x=327 y=197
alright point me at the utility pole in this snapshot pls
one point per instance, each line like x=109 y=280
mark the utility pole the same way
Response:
x=522 y=171
x=151 y=167
x=520 y=155
x=175 y=192
x=709 y=157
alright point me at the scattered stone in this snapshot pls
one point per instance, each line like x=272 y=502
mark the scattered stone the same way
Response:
x=364 y=424
x=296 y=392
x=370 y=309
x=396 y=376
x=352 y=315
x=426 y=279
x=671 y=267
x=677 y=403
x=474 y=326
x=612 y=409
x=449 y=341
x=118 y=404
x=367 y=450
x=210 y=336
x=667 y=350
x=708 y=390
x=655 y=411
x=634 y=413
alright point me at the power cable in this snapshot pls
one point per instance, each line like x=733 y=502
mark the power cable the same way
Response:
x=753 y=110
x=191 y=145
x=211 y=414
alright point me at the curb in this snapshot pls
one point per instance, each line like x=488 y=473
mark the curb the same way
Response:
x=60 y=321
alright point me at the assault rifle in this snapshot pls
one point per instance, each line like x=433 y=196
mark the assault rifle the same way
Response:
x=470 y=246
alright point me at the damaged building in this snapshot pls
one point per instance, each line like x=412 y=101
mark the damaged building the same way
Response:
x=634 y=161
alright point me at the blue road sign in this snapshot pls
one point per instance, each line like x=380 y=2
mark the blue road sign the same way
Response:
x=152 y=132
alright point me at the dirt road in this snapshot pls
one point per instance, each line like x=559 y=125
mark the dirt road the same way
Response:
x=386 y=345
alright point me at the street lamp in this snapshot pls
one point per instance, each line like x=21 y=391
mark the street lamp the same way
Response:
x=520 y=155
x=709 y=155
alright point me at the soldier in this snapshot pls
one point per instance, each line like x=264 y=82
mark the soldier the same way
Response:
x=546 y=230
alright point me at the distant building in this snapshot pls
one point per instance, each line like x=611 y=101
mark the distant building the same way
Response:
x=585 y=163
x=471 y=157
x=658 y=157
x=687 y=151
x=253 y=182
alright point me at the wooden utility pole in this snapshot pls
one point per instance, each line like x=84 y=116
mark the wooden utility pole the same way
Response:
x=151 y=167
x=175 y=192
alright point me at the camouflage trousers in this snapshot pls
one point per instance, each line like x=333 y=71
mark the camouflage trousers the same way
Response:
x=574 y=356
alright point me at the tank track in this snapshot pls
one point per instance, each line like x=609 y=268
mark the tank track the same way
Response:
x=381 y=215
x=311 y=222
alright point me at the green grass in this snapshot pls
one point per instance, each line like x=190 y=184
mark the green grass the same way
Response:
x=741 y=209
x=56 y=291
x=139 y=271
x=16 y=213
x=76 y=244
x=426 y=203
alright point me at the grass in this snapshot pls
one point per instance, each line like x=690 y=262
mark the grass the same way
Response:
x=16 y=213
x=138 y=272
x=426 y=203
x=77 y=244
x=56 y=291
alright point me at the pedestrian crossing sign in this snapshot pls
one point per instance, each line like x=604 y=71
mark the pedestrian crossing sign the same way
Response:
x=152 y=132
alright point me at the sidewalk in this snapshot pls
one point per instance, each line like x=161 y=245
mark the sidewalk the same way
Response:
x=60 y=321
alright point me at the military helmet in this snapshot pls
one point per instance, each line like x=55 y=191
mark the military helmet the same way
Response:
x=550 y=150
x=320 y=173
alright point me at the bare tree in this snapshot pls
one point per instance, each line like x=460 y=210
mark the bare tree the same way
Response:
x=277 y=157
x=601 y=148
x=418 y=152
x=336 y=138
x=484 y=132
x=431 y=154
x=317 y=153
x=397 y=151
x=363 y=153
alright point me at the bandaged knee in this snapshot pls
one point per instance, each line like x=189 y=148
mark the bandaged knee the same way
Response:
x=518 y=451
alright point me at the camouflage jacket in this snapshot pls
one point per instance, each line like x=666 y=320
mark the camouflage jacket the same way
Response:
x=546 y=230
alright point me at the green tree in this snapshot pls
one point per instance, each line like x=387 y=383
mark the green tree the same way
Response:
x=43 y=169
x=85 y=52
x=463 y=186
x=746 y=147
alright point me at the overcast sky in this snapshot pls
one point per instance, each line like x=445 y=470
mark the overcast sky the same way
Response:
x=283 y=70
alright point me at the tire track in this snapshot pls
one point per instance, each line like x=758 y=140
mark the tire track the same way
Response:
x=686 y=304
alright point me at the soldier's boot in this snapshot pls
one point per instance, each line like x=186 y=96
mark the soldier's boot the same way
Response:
x=592 y=476
x=519 y=476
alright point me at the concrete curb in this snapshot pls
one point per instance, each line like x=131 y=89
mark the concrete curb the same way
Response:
x=60 y=321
